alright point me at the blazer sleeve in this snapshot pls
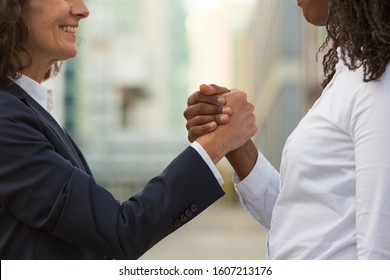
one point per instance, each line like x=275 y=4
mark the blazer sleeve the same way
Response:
x=47 y=192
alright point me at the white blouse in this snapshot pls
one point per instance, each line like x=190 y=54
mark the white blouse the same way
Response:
x=331 y=199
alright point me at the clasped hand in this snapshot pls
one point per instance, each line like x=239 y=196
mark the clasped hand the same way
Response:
x=221 y=120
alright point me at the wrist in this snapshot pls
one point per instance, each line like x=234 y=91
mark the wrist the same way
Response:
x=214 y=150
x=243 y=159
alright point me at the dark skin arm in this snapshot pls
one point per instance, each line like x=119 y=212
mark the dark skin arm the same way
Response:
x=243 y=159
x=206 y=110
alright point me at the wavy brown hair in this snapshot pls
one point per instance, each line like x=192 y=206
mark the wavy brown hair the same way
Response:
x=361 y=30
x=13 y=37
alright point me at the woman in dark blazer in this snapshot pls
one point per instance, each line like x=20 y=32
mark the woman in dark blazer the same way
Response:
x=50 y=205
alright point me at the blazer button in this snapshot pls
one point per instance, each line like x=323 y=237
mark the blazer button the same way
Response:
x=188 y=213
x=178 y=223
x=194 y=208
x=183 y=218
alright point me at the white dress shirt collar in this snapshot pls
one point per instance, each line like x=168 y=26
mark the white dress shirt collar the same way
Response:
x=40 y=94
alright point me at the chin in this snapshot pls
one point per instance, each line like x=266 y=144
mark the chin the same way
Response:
x=70 y=54
x=315 y=21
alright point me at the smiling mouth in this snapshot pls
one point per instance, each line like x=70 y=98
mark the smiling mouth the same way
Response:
x=69 y=29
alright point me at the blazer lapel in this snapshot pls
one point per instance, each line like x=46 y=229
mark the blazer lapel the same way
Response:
x=49 y=121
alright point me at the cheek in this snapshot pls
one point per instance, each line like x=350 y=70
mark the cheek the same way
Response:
x=37 y=31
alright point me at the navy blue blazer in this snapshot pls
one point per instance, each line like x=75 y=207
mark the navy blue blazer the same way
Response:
x=52 y=208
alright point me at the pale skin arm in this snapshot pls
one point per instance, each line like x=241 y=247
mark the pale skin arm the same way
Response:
x=212 y=108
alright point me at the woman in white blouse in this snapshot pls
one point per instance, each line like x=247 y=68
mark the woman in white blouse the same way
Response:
x=331 y=199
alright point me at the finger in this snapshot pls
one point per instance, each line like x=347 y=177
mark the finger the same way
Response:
x=201 y=109
x=198 y=97
x=234 y=96
x=212 y=89
x=202 y=120
x=198 y=131
x=221 y=119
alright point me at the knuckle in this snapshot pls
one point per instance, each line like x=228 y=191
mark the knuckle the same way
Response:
x=191 y=122
x=242 y=94
x=186 y=114
x=198 y=120
x=204 y=128
x=188 y=126
x=218 y=119
x=249 y=107
x=203 y=107
x=211 y=99
x=190 y=99
x=193 y=98
x=214 y=99
x=191 y=135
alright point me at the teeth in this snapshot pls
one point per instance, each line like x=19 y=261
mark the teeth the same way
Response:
x=69 y=29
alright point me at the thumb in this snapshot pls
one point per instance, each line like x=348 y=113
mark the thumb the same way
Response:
x=212 y=89
x=207 y=90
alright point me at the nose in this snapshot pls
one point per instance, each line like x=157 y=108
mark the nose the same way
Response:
x=79 y=8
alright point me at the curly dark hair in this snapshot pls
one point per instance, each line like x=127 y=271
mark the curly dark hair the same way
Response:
x=13 y=37
x=360 y=29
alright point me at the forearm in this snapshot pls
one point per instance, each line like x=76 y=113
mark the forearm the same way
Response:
x=243 y=159
x=259 y=190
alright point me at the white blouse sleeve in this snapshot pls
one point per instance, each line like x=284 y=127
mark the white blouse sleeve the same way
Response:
x=370 y=130
x=259 y=190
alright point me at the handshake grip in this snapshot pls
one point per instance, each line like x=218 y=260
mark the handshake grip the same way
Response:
x=242 y=124
x=240 y=128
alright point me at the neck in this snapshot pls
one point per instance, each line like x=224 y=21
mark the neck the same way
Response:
x=37 y=71
x=35 y=74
